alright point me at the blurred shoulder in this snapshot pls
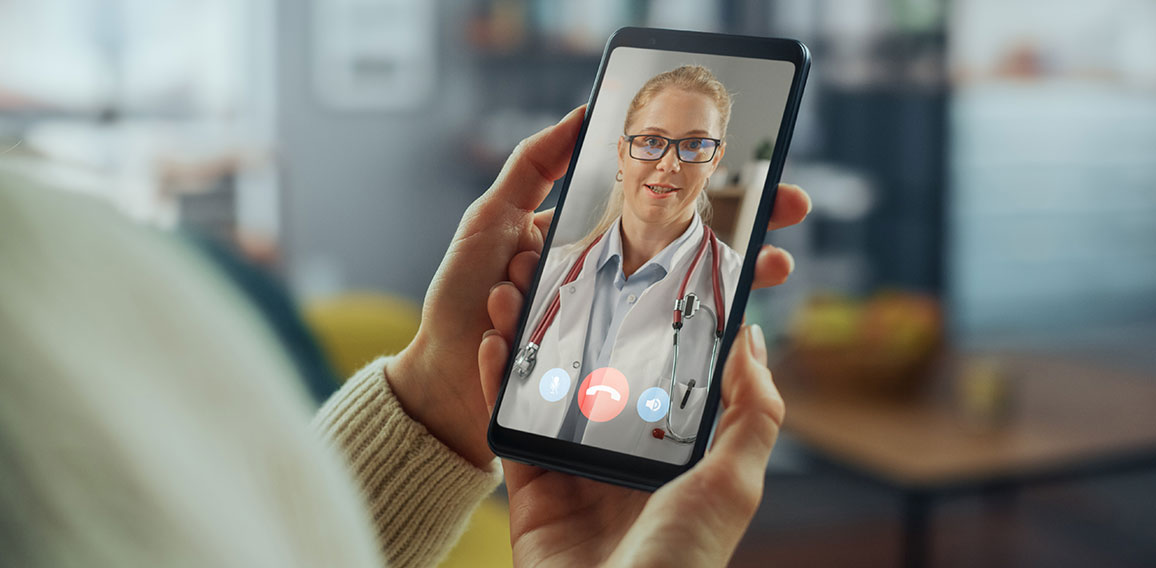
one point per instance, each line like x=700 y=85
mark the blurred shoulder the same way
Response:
x=124 y=346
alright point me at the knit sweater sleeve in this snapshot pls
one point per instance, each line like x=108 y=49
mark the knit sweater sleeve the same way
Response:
x=420 y=493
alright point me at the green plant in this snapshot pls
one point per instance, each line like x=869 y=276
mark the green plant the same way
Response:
x=765 y=149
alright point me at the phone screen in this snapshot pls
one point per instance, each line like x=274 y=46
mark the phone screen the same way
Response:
x=626 y=323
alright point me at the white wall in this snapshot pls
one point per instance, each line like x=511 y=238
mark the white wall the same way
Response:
x=357 y=216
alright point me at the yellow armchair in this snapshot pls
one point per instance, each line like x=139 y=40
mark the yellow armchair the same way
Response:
x=356 y=328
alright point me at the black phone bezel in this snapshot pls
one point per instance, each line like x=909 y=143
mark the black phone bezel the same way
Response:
x=615 y=467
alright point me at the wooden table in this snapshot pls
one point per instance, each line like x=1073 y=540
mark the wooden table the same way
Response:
x=1067 y=421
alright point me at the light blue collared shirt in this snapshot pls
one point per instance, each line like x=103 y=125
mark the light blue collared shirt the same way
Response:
x=614 y=296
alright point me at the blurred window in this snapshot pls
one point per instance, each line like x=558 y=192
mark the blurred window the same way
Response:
x=1054 y=185
x=148 y=103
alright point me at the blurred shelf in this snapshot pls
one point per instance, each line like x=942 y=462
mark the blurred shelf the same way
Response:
x=726 y=208
x=894 y=62
x=877 y=104
x=533 y=56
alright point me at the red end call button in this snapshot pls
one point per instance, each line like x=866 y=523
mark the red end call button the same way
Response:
x=603 y=394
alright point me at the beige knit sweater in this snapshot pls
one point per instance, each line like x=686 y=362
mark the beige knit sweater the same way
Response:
x=148 y=418
x=419 y=492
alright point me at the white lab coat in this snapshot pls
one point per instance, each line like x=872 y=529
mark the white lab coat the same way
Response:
x=643 y=350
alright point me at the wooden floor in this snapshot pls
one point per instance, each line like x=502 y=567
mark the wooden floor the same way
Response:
x=828 y=520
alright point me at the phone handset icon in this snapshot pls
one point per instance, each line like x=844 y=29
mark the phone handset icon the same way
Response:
x=603 y=394
x=603 y=388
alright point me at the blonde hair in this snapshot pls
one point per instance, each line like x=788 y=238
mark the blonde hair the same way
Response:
x=690 y=78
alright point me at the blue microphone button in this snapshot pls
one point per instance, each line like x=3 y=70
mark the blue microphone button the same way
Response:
x=554 y=385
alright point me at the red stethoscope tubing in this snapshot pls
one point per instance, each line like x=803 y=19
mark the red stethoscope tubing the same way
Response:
x=708 y=238
x=552 y=311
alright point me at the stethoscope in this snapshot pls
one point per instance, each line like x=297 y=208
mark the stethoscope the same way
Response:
x=685 y=307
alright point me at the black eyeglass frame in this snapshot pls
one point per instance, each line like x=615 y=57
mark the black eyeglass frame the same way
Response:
x=671 y=142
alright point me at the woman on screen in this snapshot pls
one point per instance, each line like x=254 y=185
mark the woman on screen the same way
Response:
x=600 y=372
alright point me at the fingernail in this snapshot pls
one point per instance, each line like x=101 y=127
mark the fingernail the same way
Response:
x=790 y=260
x=758 y=343
x=810 y=204
x=502 y=283
x=571 y=113
x=489 y=332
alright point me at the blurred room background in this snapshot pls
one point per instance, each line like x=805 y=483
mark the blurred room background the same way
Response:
x=967 y=347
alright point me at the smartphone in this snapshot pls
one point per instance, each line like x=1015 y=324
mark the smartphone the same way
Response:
x=615 y=373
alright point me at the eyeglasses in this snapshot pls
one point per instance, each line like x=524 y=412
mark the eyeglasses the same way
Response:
x=652 y=147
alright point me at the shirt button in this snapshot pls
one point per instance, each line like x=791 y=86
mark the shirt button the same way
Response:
x=576 y=364
x=630 y=299
x=570 y=289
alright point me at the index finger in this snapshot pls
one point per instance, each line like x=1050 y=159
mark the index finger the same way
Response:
x=537 y=162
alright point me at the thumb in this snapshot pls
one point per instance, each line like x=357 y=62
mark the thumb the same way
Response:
x=724 y=489
x=736 y=465
x=749 y=426
x=530 y=171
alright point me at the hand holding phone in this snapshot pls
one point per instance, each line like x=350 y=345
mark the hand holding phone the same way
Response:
x=498 y=241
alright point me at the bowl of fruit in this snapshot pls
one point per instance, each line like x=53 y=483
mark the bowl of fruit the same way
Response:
x=881 y=345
